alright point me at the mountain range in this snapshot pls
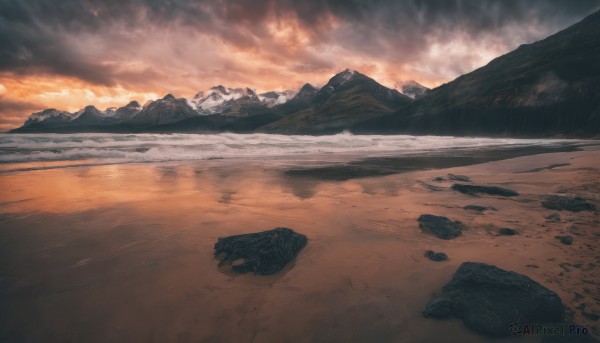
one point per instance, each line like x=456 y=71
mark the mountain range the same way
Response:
x=545 y=89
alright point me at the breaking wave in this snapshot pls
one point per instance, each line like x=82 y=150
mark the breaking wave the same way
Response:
x=128 y=148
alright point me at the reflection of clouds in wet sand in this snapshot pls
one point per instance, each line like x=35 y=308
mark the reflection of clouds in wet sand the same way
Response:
x=131 y=247
x=299 y=187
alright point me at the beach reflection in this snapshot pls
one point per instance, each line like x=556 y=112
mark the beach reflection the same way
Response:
x=124 y=253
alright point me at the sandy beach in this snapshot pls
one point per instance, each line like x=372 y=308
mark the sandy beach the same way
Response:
x=123 y=252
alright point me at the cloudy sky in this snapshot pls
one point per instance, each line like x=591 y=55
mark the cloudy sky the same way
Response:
x=70 y=53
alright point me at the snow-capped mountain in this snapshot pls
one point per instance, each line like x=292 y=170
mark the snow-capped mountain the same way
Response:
x=48 y=117
x=216 y=99
x=301 y=100
x=220 y=99
x=90 y=115
x=411 y=89
x=275 y=98
x=349 y=79
x=128 y=111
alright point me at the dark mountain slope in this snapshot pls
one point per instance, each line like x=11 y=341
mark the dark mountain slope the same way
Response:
x=547 y=88
x=163 y=111
x=299 y=102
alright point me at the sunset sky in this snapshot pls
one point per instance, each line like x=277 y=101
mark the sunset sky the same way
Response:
x=70 y=53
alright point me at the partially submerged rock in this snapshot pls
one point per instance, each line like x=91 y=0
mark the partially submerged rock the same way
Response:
x=568 y=203
x=436 y=256
x=566 y=240
x=506 y=231
x=263 y=253
x=489 y=300
x=491 y=190
x=439 y=226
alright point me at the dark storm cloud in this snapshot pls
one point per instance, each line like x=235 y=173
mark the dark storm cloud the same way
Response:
x=8 y=105
x=45 y=36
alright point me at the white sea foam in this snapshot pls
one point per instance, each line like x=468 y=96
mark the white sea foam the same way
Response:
x=125 y=148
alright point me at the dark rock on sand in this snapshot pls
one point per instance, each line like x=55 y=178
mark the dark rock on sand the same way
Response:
x=492 y=190
x=439 y=226
x=439 y=179
x=506 y=231
x=489 y=300
x=590 y=315
x=263 y=253
x=567 y=240
x=478 y=208
x=436 y=256
x=462 y=178
x=554 y=217
x=568 y=203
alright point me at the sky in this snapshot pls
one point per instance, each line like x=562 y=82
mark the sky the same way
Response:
x=71 y=53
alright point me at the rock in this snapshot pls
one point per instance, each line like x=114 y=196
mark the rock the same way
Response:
x=568 y=203
x=590 y=315
x=439 y=226
x=489 y=300
x=559 y=189
x=567 y=240
x=436 y=256
x=506 y=231
x=439 y=179
x=462 y=178
x=554 y=217
x=263 y=253
x=492 y=190
x=478 y=208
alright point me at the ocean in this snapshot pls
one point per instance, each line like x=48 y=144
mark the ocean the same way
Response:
x=35 y=151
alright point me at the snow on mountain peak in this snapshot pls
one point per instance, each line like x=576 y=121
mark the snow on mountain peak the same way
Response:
x=45 y=115
x=274 y=98
x=411 y=89
x=215 y=98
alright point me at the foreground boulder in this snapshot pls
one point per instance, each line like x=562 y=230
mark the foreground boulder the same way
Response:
x=439 y=226
x=264 y=253
x=573 y=204
x=491 y=190
x=489 y=300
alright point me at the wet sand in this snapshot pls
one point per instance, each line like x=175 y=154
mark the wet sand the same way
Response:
x=124 y=252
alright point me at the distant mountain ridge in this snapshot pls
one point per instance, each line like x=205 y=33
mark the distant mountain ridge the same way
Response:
x=544 y=89
x=233 y=109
